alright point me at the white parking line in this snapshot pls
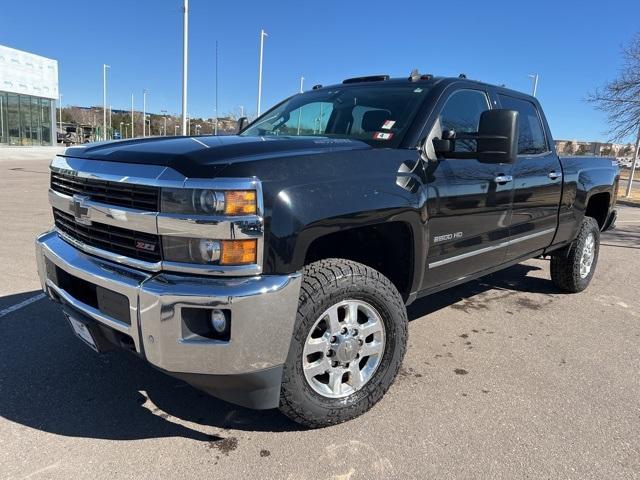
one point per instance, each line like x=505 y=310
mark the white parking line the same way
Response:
x=22 y=304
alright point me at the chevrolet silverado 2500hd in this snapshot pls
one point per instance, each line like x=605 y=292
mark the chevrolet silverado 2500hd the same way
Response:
x=272 y=268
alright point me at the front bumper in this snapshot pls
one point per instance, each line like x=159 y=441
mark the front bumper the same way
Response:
x=244 y=370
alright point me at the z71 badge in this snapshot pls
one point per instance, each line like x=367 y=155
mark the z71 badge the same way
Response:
x=448 y=236
x=149 y=247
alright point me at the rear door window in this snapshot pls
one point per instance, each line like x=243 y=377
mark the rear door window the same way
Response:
x=531 y=137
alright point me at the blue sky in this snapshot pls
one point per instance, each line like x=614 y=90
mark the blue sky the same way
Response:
x=573 y=45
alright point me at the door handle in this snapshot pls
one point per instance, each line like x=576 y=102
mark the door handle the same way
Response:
x=554 y=175
x=503 y=179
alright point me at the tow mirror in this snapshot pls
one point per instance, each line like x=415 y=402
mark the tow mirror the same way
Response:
x=498 y=136
x=241 y=122
x=496 y=139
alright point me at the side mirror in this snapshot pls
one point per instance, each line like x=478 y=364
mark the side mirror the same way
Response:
x=241 y=122
x=496 y=139
x=498 y=136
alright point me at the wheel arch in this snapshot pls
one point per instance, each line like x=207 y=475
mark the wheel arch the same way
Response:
x=386 y=247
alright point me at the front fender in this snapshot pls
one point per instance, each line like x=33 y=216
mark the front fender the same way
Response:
x=301 y=214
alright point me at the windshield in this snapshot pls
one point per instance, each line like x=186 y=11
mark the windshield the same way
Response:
x=376 y=114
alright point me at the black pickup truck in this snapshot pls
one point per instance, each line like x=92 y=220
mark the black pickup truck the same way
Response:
x=272 y=268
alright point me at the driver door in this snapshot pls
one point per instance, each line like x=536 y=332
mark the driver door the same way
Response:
x=469 y=202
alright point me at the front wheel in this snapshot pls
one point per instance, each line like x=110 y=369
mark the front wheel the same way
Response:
x=349 y=341
x=572 y=268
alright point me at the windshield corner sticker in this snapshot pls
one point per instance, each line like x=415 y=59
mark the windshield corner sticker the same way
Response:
x=382 y=136
x=388 y=124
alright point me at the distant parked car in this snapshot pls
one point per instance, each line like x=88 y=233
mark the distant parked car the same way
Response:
x=116 y=135
x=625 y=162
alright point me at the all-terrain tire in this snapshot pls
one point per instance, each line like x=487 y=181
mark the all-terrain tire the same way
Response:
x=566 y=263
x=327 y=283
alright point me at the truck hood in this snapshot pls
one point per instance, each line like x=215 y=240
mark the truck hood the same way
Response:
x=206 y=156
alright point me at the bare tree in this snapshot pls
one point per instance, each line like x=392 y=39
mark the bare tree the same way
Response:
x=620 y=100
x=569 y=148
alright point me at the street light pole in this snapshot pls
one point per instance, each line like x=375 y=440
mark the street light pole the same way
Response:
x=144 y=112
x=104 y=100
x=132 y=115
x=633 y=166
x=300 y=109
x=164 y=112
x=185 y=51
x=241 y=111
x=534 y=77
x=60 y=112
x=216 y=125
x=262 y=35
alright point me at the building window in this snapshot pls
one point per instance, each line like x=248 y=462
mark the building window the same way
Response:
x=25 y=120
x=45 y=116
x=13 y=119
x=4 y=135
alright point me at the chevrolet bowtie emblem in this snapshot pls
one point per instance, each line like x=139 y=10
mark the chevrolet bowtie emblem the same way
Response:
x=80 y=210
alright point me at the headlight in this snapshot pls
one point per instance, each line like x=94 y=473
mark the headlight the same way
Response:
x=191 y=206
x=190 y=250
x=205 y=201
x=209 y=251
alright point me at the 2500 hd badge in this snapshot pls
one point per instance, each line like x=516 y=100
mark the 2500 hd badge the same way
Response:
x=447 y=236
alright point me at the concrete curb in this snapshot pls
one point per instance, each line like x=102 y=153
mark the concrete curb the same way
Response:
x=29 y=153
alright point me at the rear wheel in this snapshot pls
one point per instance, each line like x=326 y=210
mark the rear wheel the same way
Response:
x=348 y=344
x=572 y=268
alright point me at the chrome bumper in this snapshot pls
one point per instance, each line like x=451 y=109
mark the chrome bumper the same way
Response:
x=263 y=311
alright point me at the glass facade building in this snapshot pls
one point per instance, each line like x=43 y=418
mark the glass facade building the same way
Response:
x=28 y=94
x=26 y=120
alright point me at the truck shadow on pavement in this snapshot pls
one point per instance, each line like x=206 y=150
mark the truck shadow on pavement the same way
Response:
x=51 y=381
x=513 y=279
x=625 y=235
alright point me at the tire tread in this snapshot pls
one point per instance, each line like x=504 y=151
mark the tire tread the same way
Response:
x=324 y=279
x=565 y=263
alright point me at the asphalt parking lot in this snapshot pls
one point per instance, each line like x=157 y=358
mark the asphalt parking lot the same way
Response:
x=505 y=377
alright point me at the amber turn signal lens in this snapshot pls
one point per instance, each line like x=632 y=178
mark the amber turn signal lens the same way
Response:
x=240 y=202
x=238 y=252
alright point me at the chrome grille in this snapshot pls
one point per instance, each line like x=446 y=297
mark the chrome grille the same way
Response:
x=121 y=241
x=105 y=208
x=140 y=197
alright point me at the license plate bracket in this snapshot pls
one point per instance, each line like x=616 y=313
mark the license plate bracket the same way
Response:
x=83 y=332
